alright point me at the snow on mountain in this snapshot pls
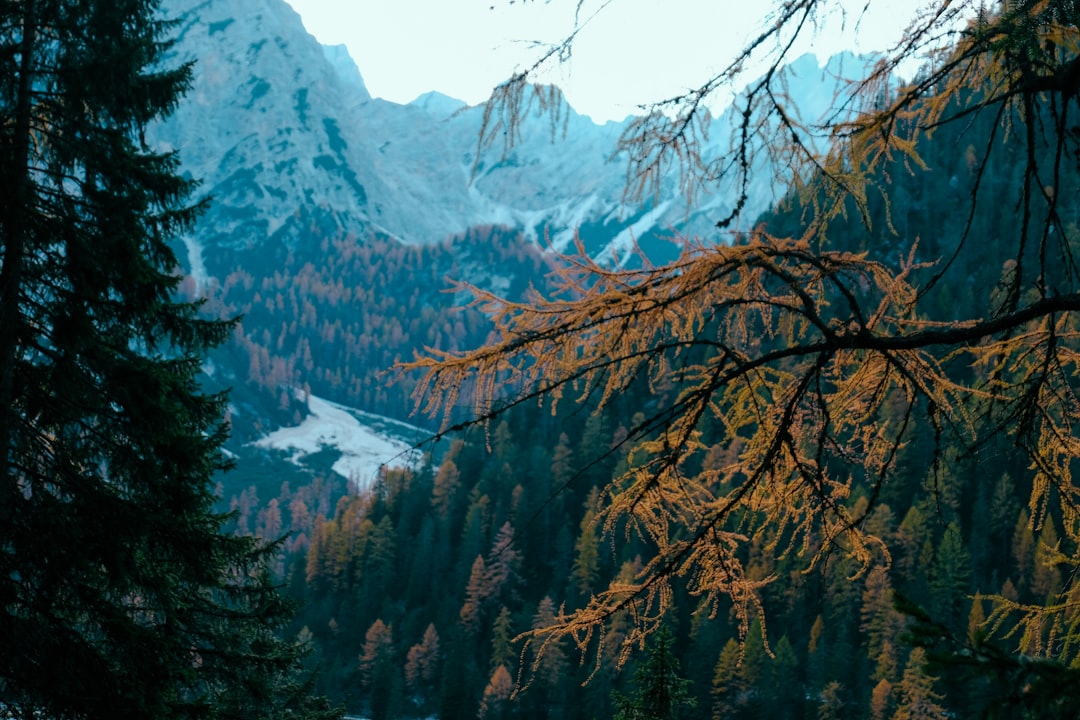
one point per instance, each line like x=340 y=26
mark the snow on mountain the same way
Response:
x=292 y=148
x=261 y=125
x=284 y=133
x=621 y=249
x=366 y=442
x=197 y=265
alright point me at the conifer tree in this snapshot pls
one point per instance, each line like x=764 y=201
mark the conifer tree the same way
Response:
x=496 y=695
x=476 y=593
x=1045 y=576
x=918 y=699
x=504 y=563
x=783 y=675
x=881 y=623
x=421 y=667
x=881 y=700
x=727 y=687
x=377 y=670
x=502 y=640
x=950 y=576
x=587 y=550
x=831 y=703
x=659 y=692
x=121 y=595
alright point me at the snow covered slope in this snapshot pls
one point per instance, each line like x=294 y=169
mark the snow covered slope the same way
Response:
x=364 y=442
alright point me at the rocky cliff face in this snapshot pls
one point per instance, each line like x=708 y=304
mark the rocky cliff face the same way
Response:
x=284 y=134
x=261 y=125
x=297 y=155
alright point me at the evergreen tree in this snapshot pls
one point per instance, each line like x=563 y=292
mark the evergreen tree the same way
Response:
x=502 y=640
x=784 y=677
x=727 y=687
x=1023 y=550
x=659 y=692
x=121 y=595
x=587 y=550
x=950 y=578
x=1045 y=575
x=752 y=669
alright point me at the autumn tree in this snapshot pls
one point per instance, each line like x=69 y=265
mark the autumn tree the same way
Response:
x=377 y=670
x=881 y=700
x=917 y=696
x=503 y=563
x=421 y=667
x=822 y=362
x=496 y=695
x=476 y=594
x=831 y=703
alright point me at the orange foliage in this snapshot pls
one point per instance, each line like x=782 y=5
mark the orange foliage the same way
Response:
x=815 y=363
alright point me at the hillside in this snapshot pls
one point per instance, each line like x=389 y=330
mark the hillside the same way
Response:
x=338 y=222
x=337 y=225
x=415 y=591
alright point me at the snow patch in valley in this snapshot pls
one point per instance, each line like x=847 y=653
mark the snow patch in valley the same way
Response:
x=363 y=449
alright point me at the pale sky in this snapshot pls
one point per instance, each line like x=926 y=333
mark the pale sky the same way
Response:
x=631 y=52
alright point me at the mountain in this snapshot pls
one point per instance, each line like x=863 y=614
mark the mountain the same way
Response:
x=284 y=133
x=336 y=218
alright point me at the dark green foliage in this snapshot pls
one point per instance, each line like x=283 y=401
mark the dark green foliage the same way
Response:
x=121 y=595
x=659 y=692
x=998 y=684
x=955 y=523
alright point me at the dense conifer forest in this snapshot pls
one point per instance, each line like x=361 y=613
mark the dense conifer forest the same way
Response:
x=335 y=314
x=561 y=555
x=416 y=591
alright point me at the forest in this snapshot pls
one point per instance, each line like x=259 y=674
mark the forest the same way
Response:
x=430 y=593
x=823 y=470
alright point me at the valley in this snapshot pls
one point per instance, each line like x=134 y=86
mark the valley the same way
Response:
x=339 y=229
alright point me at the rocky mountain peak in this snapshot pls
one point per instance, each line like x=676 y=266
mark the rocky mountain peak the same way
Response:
x=284 y=134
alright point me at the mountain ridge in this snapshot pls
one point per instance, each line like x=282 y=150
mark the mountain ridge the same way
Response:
x=323 y=197
x=284 y=132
